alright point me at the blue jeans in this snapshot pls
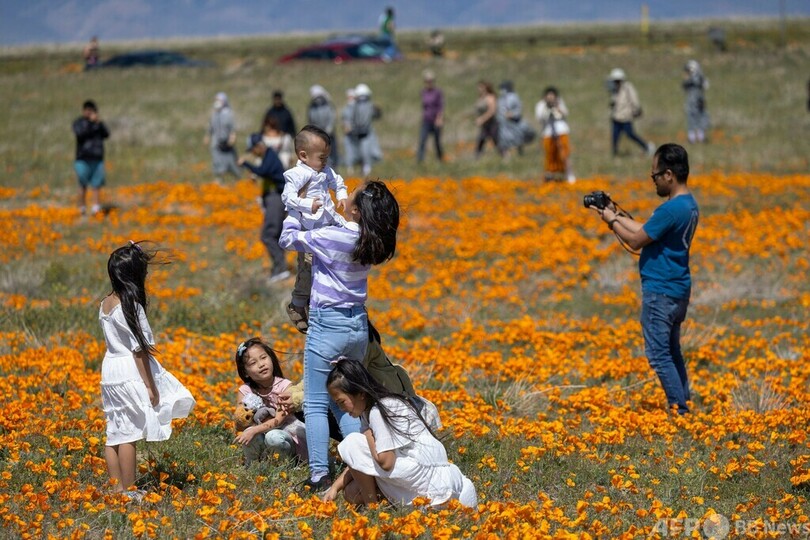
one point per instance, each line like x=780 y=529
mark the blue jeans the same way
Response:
x=627 y=129
x=333 y=332
x=661 y=318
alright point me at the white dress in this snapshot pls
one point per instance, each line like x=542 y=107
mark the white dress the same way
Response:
x=124 y=397
x=421 y=468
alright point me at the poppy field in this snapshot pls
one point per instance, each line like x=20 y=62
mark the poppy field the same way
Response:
x=513 y=308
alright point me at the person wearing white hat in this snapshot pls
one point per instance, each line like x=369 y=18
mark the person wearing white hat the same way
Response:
x=363 y=113
x=625 y=107
x=351 y=150
x=321 y=113
x=221 y=138
x=697 y=118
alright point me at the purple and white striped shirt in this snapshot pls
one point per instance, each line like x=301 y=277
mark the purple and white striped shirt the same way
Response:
x=337 y=279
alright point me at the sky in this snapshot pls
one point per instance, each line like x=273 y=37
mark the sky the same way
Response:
x=24 y=22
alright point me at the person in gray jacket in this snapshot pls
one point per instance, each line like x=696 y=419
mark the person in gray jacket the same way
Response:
x=221 y=138
x=697 y=118
x=321 y=113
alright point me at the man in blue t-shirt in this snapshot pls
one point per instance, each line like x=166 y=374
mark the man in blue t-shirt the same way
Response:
x=664 y=268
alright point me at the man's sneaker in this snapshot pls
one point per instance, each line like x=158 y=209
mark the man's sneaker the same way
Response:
x=279 y=276
x=650 y=148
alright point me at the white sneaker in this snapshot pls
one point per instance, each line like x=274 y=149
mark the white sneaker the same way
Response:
x=135 y=496
x=650 y=148
x=571 y=179
x=95 y=209
x=281 y=276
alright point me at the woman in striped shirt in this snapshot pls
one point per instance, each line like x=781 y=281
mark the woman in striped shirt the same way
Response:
x=338 y=324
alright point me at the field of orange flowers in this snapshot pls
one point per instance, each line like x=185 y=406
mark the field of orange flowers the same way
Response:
x=514 y=309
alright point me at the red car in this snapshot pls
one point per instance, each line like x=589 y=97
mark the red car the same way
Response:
x=344 y=48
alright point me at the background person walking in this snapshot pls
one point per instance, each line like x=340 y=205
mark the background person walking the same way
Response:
x=486 y=109
x=625 y=107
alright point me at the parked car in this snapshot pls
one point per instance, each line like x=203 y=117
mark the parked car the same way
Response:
x=152 y=58
x=340 y=49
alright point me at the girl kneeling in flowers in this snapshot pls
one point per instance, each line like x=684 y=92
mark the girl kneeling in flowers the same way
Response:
x=338 y=323
x=395 y=454
x=139 y=397
x=277 y=431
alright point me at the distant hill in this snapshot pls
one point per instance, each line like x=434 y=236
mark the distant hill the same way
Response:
x=60 y=21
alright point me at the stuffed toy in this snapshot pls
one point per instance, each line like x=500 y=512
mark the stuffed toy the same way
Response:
x=261 y=412
x=243 y=417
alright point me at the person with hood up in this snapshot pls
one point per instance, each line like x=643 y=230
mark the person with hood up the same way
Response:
x=695 y=85
x=321 y=113
x=221 y=138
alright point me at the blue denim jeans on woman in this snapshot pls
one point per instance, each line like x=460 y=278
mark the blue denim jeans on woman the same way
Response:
x=661 y=318
x=333 y=332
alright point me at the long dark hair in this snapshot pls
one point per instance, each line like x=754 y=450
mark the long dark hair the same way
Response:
x=352 y=378
x=379 y=220
x=239 y=358
x=127 y=268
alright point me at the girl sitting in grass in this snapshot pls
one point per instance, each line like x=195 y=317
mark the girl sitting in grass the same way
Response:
x=396 y=454
x=276 y=431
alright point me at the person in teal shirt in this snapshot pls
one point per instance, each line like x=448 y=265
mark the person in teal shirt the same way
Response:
x=387 y=23
x=666 y=282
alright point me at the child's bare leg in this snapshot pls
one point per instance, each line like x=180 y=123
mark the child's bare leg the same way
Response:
x=113 y=466
x=352 y=492
x=366 y=488
x=96 y=200
x=127 y=462
x=82 y=197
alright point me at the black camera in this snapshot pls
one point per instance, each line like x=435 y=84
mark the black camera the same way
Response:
x=599 y=199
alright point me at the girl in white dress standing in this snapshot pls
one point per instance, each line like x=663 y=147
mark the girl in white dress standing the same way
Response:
x=139 y=397
x=395 y=454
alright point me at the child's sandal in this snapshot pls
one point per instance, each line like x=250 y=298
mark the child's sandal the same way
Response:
x=298 y=316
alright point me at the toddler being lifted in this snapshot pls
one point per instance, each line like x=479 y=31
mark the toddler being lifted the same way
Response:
x=306 y=192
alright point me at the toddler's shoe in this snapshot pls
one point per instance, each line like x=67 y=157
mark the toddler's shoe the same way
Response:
x=299 y=315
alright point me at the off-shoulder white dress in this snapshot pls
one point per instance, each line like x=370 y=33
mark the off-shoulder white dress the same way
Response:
x=124 y=397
